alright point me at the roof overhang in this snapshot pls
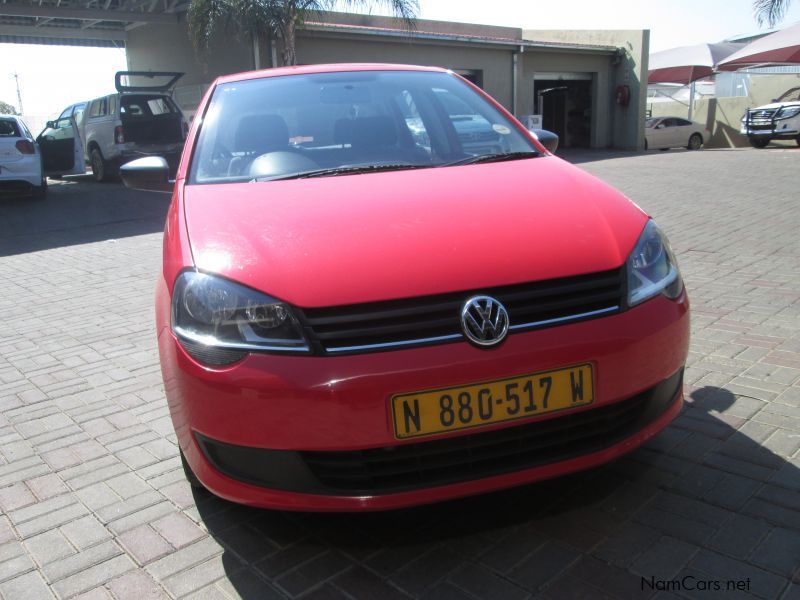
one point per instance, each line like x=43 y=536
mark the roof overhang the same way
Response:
x=82 y=23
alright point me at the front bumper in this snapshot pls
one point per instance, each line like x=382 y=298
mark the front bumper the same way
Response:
x=316 y=405
x=770 y=132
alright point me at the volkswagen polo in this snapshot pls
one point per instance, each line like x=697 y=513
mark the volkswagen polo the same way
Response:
x=353 y=315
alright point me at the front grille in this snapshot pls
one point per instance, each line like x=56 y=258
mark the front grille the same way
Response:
x=467 y=457
x=435 y=319
x=444 y=461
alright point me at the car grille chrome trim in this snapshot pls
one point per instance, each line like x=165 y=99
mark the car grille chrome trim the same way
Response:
x=408 y=322
x=440 y=338
x=584 y=315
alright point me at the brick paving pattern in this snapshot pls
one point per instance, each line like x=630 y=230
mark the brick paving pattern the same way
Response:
x=93 y=502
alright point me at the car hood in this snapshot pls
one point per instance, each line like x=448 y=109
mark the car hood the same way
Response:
x=362 y=238
x=773 y=105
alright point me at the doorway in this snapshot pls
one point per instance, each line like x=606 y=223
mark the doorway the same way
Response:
x=565 y=102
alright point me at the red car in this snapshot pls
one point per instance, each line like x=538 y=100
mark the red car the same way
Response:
x=380 y=290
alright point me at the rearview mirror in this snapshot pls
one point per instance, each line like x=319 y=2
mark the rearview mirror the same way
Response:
x=548 y=139
x=148 y=174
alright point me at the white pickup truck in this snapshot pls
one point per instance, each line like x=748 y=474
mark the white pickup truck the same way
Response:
x=779 y=120
x=139 y=120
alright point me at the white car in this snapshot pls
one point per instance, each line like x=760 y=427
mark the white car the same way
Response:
x=20 y=159
x=663 y=133
x=779 y=120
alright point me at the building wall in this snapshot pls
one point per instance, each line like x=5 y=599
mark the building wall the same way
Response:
x=617 y=126
x=722 y=116
x=158 y=47
x=494 y=62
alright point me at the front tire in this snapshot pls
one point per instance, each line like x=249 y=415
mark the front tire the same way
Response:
x=759 y=142
x=101 y=170
x=695 y=142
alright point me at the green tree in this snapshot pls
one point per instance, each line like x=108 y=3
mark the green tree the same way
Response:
x=7 y=109
x=770 y=11
x=209 y=19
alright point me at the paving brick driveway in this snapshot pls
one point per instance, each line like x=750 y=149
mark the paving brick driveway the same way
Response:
x=94 y=502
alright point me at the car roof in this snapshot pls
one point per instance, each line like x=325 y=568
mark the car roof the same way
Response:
x=15 y=117
x=324 y=68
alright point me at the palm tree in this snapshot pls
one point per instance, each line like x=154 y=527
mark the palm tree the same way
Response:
x=770 y=11
x=249 y=18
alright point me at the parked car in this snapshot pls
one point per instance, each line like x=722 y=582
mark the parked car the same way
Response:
x=663 y=133
x=779 y=120
x=349 y=319
x=20 y=159
x=139 y=120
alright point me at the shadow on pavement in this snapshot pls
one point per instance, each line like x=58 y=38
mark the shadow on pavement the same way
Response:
x=78 y=210
x=700 y=483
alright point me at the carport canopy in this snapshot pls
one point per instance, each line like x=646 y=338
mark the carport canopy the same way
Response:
x=81 y=23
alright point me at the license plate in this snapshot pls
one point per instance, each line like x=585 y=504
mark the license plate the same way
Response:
x=463 y=407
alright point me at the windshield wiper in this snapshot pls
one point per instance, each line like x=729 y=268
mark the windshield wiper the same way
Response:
x=487 y=158
x=331 y=172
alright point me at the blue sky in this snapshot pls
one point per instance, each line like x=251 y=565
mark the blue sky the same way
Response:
x=52 y=77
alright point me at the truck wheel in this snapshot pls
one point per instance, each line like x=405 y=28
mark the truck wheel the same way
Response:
x=190 y=476
x=695 y=141
x=797 y=139
x=100 y=167
x=759 y=142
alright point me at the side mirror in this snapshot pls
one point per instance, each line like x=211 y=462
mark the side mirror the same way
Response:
x=548 y=139
x=51 y=124
x=149 y=174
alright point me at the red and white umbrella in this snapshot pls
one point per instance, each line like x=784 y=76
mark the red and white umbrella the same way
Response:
x=686 y=64
x=779 y=48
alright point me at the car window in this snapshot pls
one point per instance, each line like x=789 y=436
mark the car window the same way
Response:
x=651 y=122
x=8 y=128
x=284 y=125
x=112 y=105
x=78 y=115
x=67 y=111
x=144 y=105
x=98 y=108
x=682 y=122
x=668 y=122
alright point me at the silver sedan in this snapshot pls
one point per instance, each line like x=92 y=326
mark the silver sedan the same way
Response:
x=674 y=132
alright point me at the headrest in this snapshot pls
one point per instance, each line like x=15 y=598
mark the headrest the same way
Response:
x=261 y=133
x=373 y=132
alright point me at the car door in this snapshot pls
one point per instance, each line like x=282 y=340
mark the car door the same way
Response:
x=61 y=148
x=683 y=131
x=669 y=133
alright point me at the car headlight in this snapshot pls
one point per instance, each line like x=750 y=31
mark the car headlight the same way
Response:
x=219 y=321
x=652 y=268
x=788 y=112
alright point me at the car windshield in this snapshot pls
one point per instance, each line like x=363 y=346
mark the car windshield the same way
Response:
x=651 y=122
x=348 y=122
x=792 y=95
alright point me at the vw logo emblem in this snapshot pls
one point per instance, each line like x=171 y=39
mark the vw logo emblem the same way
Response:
x=484 y=321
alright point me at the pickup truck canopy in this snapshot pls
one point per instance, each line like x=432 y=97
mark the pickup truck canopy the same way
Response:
x=161 y=81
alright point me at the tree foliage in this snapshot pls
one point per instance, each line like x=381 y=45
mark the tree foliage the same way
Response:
x=209 y=20
x=7 y=109
x=770 y=11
